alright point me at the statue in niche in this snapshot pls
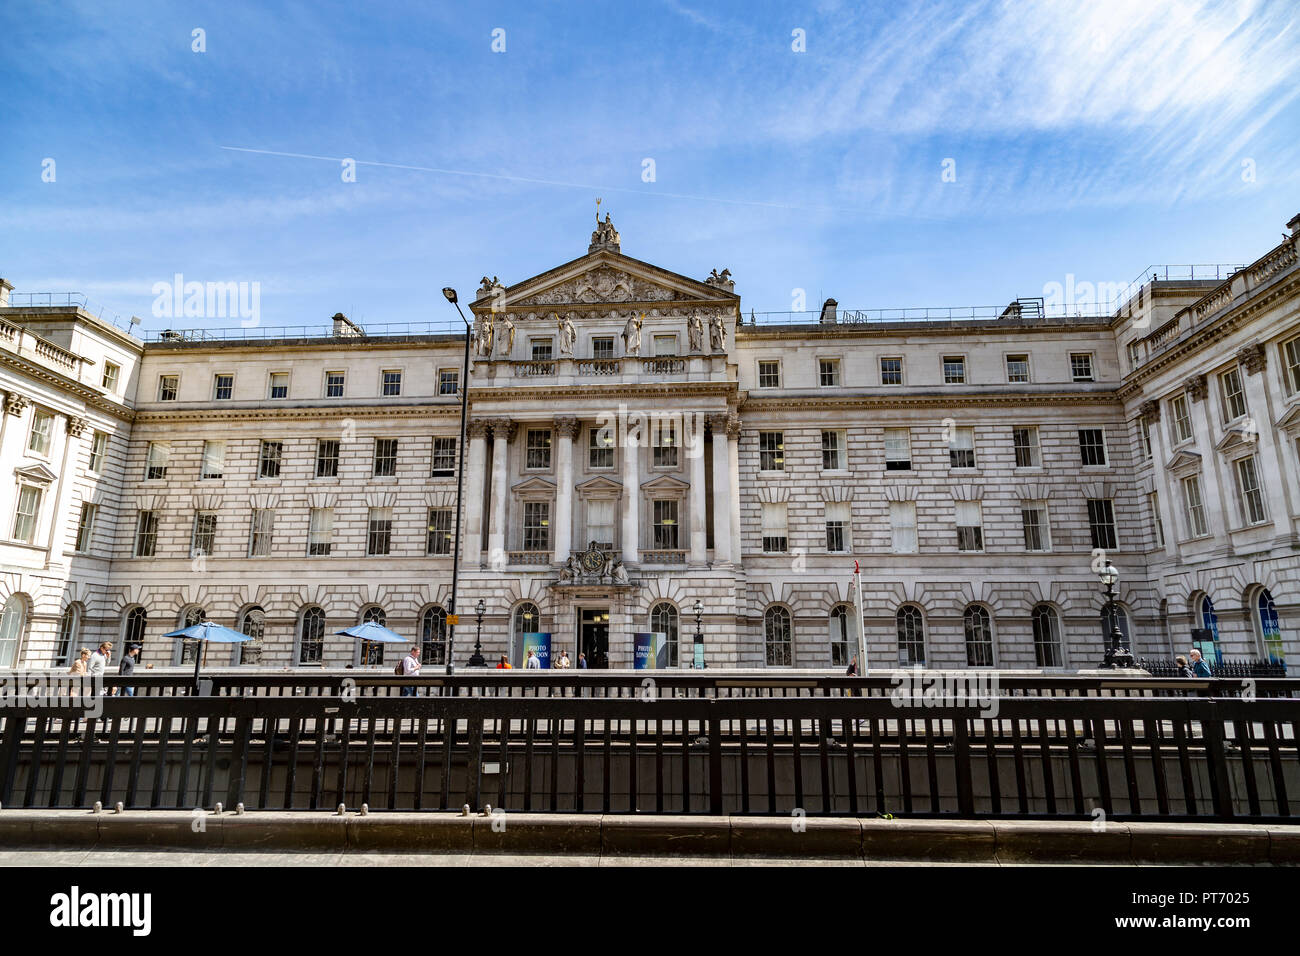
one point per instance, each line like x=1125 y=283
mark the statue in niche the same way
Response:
x=695 y=331
x=483 y=341
x=632 y=334
x=507 y=335
x=717 y=333
x=567 y=333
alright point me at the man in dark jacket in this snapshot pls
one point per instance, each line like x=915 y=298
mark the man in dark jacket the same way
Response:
x=127 y=667
x=1199 y=667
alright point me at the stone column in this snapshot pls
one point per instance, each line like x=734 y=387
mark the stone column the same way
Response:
x=62 y=493
x=1253 y=359
x=733 y=483
x=721 y=498
x=699 y=548
x=12 y=435
x=477 y=429
x=632 y=495
x=1203 y=433
x=502 y=432
x=1150 y=413
x=566 y=429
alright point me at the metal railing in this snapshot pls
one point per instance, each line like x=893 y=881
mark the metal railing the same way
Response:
x=69 y=300
x=1030 y=757
x=380 y=330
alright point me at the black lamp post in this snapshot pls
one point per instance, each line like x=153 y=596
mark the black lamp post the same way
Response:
x=477 y=659
x=1117 y=655
x=699 y=635
x=450 y=295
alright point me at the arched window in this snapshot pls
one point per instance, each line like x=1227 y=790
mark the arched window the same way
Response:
x=252 y=623
x=778 y=637
x=12 y=620
x=979 y=637
x=133 y=633
x=69 y=628
x=843 y=640
x=190 y=648
x=663 y=620
x=1270 y=628
x=372 y=652
x=1209 y=621
x=433 y=636
x=1107 y=622
x=911 y=637
x=528 y=620
x=1047 y=637
x=311 y=636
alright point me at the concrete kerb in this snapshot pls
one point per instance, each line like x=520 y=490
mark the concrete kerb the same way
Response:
x=666 y=836
x=1221 y=843
x=1037 y=840
x=827 y=837
x=968 y=841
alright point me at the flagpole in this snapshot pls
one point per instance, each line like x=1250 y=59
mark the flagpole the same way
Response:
x=862 y=632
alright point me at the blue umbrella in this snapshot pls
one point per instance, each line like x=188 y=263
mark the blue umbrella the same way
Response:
x=208 y=631
x=374 y=633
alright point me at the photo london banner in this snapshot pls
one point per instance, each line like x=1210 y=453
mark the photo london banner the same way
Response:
x=649 y=650
x=540 y=644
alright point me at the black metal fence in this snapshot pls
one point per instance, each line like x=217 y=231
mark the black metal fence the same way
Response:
x=1232 y=670
x=1155 y=757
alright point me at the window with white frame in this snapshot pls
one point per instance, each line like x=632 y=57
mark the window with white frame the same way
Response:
x=390 y=382
x=1047 y=637
x=1135 y=353
x=449 y=381
x=1249 y=495
x=600 y=448
x=385 y=464
x=1017 y=368
x=278 y=386
x=979 y=636
x=1144 y=430
x=664 y=441
x=1024 y=439
x=327 y=458
x=1234 y=395
x=204 y=536
x=663 y=620
x=1153 y=502
x=778 y=638
x=837 y=527
x=1101 y=523
x=665 y=345
x=260 y=531
x=911 y=636
x=540 y=349
x=537 y=449
x=156 y=460
x=269 y=460
x=320 y=532
x=771 y=451
x=439 y=532
x=213 y=464
x=954 y=370
x=223 y=386
x=833 y=447
x=146 y=534
x=1034 y=522
x=1193 y=507
x=1081 y=366
x=961 y=448
x=98 y=451
x=1291 y=365
x=891 y=370
x=27 y=513
x=1180 y=419
x=42 y=434
x=970 y=526
x=600 y=522
x=168 y=387
x=86 y=526
x=379 y=531
x=828 y=372
x=898 y=449
x=602 y=347
x=537 y=530
x=444 y=458
x=311 y=640
x=775 y=532
x=334 y=382
x=769 y=373
x=112 y=373
x=842 y=637
x=902 y=523
x=1092 y=446
x=664 y=525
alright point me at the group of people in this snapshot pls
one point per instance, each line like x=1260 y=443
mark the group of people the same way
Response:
x=1198 y=667
x=534 y=662
x=96 y=664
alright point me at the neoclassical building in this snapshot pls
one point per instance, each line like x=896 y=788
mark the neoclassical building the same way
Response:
x=644 y=457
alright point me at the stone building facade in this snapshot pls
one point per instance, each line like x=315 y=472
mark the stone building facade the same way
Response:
x=640 y=456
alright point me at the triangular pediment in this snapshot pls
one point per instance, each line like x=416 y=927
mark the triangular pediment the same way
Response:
x=35 y=472
x=1235 y=436
x=602 y=278
x=1291 y=418
x=665 y=483
x=534 y=485
x=598 y=486
x=1184 y=461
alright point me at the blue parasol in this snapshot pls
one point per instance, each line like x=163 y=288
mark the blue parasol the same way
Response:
x=207 y=631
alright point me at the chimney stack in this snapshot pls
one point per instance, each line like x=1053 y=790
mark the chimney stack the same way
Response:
x=345 y=328
x=828 y=312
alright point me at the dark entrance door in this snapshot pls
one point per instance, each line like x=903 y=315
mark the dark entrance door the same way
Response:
x=594 y=636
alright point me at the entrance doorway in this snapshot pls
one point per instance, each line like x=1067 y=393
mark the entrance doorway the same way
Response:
x=593 y=636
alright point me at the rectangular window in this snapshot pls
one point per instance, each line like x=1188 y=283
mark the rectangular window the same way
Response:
x=146 y=534
x=1101 y=523
x=1193 y=508
x=86 y=526
x=391 y=382
x=891 y=371
x=665 y=345
x=954 y=370
x=600 y=522
x=1234 y=396
x=439 y=532
x=600 y=448
x=1181 y=419
x=837 y=527
x=223 y=387
x=537 y=526
x=1153 y=500
x=1145 y=431
x=538 y=449
x=602 y=347
x=1081 y=366
x=259 y=538
x=112 y=372
x=449 y=381
x=833 y=451
x=385 y=457
x=25 y=514
x=278 y=387
x=664 y=443
x=540 y=349
x=1017 y=368
x=1024 y=439
x=327 y=458
x=269 y=461
x=961 y=449
x=40 y=439
x=444 y=457
x=1135 y=353
x=379 y=531
x=204 y=535
x=1092 y=446
x=214 y=460
x=828 y=372
x=1248 y=490
x=970 y=526
x=334 y=384
x=898 y=449
x=774 y=527
x=1291 y=365
x=156 y=460
x=771 y=451
x=902 y=523
x=320 y=531
x=169 y=387
x=1033 y=518
x=98 y=451
x=769 y=373
x=664 y=525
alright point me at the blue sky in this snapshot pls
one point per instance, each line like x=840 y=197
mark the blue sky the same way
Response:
x=1086 y=139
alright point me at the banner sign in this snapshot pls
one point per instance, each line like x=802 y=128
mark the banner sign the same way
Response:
x=645 y=651
x=539 y=644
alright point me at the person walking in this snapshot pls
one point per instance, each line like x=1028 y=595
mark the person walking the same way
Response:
x=563 y=663
x=99 y=660
x=411 y=668
x=81 y=663
x=127 y=667
x=1183 y=669
x=582 y=661
x=533 y=663
x=503 y=664
x=1199 y=667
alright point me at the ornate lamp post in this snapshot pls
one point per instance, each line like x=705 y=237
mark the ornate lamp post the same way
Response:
x=450 y=295
x=476 y=660
x=1117 y=655
x=699 y=635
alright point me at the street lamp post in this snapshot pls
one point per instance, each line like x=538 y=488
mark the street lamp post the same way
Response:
x=477 y=659
x=699 y=635
x=1117 y=655
x=450 y=295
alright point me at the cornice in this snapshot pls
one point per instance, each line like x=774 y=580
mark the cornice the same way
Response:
x=209 y=414
x=586 y=391
x=91 y=396
x=968 y=400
